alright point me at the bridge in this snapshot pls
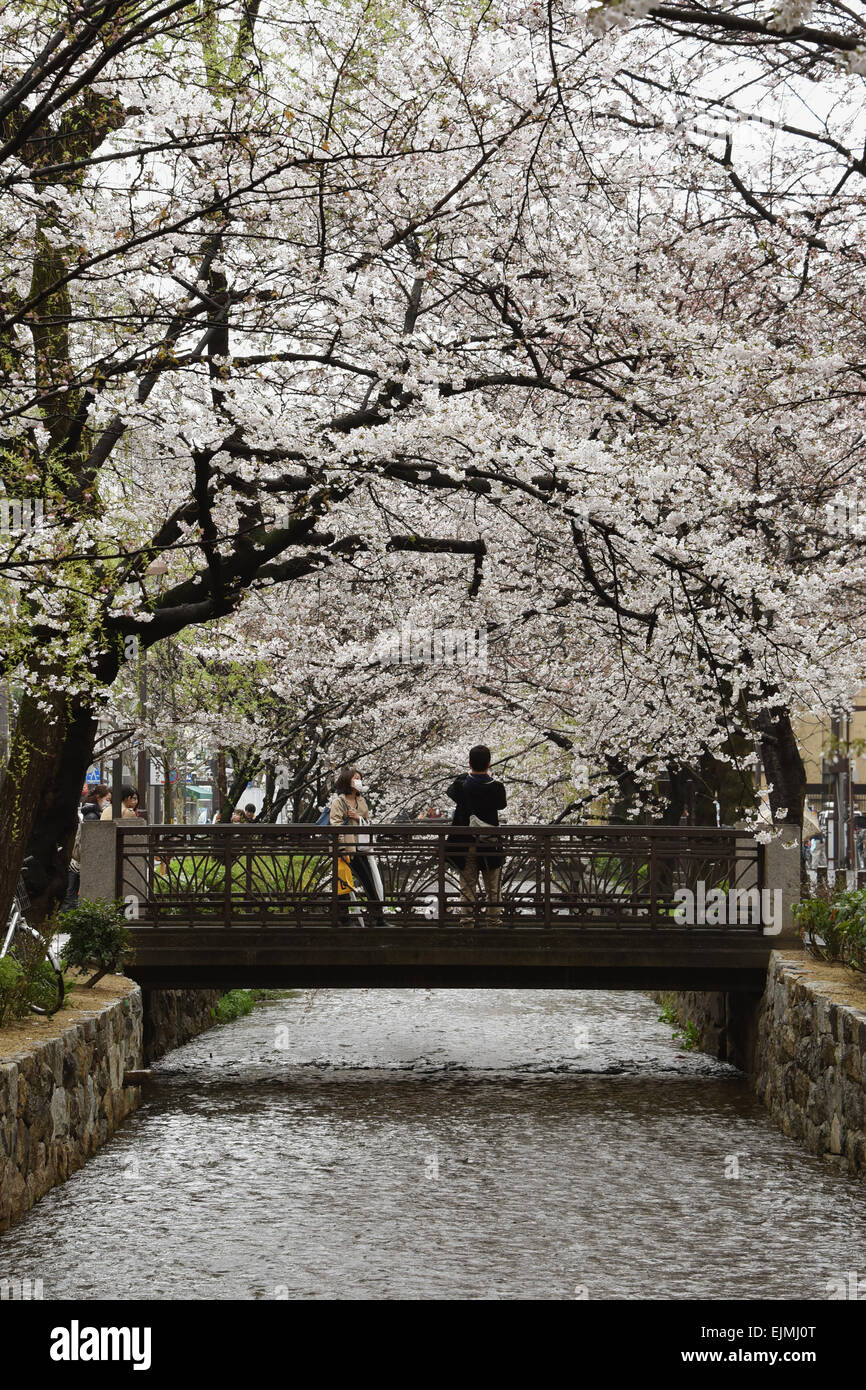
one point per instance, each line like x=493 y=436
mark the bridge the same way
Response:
x=582 y=906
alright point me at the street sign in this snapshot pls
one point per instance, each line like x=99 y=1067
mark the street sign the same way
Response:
x=172 y=775
x=93 y=777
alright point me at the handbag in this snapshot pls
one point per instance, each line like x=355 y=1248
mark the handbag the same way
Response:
x=490 y=848
x=345 y=879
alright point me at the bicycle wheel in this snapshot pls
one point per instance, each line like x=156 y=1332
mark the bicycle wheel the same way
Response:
x=46 y=990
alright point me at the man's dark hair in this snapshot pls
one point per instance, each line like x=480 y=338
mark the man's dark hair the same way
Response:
x=479 y=758
x=343 y=784
x=250 y=807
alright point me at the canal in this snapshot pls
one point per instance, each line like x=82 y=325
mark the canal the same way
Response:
x=445 y=1144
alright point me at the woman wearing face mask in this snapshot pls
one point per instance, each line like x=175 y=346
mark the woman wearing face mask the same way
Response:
x=349 y=808
x=95 y=803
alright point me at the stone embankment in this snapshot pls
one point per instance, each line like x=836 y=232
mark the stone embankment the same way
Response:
x=61 y=1079
x=803 y=1044
x=810 y=1067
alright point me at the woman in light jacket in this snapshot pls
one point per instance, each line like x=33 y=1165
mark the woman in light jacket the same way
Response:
x=348 y=807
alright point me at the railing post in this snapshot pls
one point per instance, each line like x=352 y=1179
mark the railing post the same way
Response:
x=548 y=854
x=228 y=863
x=440 y=865
x=335 y=878
x=782 y=872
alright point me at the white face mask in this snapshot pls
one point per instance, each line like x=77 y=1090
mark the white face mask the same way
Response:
x=357 y=784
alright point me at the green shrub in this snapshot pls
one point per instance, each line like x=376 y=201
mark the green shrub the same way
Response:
x=819 y=931
x=234 y=1004
x=26 y=976
x=850 y=909
x=98 y=937
x=834 y=929
x=13 y=992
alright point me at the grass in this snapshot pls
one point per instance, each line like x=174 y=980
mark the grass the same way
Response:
x=263 y=876
x=687 y=1033
x=690 y=1038
x=236 y=1003
x=265 y=996
x=668 y=1014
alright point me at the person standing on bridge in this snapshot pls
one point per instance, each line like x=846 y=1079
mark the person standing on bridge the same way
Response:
x=348 y=807
x=478 y=799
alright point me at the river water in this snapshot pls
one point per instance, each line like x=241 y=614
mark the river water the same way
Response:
x=445 y=1144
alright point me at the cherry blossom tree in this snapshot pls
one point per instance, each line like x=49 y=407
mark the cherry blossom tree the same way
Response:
x=419 y=292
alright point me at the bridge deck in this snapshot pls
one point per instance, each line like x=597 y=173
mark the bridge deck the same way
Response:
x=279 y=957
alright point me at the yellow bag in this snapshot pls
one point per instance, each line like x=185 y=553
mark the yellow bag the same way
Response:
x=345 y=881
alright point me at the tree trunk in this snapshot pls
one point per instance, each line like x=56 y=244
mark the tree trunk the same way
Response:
x=167 y=790
x=223 y=786
x=783 y=765
x=54 y=831
x=28 y=799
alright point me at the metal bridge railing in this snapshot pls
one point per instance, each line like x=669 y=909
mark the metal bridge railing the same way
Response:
x=551 y=876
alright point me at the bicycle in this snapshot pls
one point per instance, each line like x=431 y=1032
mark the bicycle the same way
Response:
x=28 y=947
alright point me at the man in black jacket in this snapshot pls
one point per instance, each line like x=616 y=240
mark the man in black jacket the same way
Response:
x=480 y=795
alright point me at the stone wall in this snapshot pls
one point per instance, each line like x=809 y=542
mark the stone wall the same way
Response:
x=173 y=1016
x=803 y=1044
x=61 y=1098
x=726 y=1023
x=811 y=1059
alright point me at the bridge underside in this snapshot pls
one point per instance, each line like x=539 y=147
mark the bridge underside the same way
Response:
x=459 y=958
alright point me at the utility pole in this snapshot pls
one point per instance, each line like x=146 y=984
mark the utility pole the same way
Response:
x=849 y=773
x=4 y=725
x=116 y=787
x=840 y=772
x=143 y=777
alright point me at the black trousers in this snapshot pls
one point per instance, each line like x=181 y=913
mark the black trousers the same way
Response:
x=73 y=880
